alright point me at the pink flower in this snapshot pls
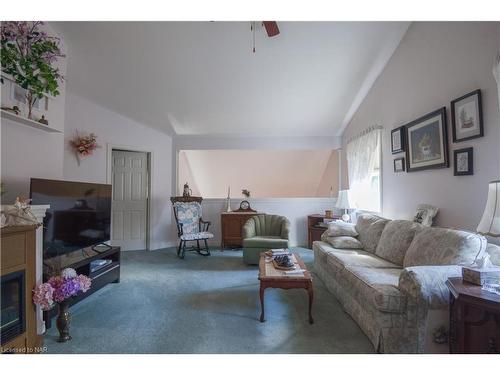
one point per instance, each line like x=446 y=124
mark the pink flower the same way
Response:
x=85 y=282
x=42 y=296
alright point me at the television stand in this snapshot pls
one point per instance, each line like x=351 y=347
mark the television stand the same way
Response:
x=80 y=261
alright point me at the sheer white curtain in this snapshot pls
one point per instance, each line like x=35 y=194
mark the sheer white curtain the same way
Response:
x=363 y=166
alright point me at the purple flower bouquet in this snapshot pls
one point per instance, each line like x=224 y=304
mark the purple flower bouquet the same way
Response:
x=60 y=288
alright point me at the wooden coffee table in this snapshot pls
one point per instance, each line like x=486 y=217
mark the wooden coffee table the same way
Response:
x=272 y=278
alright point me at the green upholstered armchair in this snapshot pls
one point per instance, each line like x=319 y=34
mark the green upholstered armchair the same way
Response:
x=264 y=232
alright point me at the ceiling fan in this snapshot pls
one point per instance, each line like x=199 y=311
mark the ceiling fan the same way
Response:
x=271 y=30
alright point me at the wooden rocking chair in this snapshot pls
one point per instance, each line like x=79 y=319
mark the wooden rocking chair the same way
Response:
x=190 y=225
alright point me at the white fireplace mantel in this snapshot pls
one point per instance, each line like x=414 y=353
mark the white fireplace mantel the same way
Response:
x=39 y=212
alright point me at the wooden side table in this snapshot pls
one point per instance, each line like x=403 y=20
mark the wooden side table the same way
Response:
x=474 y=318
x=314 y=231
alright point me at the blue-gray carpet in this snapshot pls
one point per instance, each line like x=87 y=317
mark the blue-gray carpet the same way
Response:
x=205 y=305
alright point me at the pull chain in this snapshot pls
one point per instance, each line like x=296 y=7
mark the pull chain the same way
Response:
x=252 y=28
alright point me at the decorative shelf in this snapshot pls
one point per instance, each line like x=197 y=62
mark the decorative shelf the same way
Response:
x=26 y=121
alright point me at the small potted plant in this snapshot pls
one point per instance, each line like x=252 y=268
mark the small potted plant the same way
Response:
x=60 y=289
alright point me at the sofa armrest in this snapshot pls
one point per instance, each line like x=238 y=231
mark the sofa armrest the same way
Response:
x=426 y=284
x=285 y=229
x=249 y=229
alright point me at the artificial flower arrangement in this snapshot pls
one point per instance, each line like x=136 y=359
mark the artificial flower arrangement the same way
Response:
x=84 y=145
x=60 y=288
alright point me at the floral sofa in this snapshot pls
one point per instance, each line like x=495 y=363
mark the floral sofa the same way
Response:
x=393 y=282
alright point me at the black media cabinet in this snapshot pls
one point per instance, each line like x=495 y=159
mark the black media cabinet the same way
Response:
x=80 y=261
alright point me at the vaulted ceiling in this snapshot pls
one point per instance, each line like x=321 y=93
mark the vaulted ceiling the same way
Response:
x=202 y=78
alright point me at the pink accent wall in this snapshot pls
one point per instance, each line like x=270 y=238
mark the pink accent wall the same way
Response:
x=330 y=177
x=266 y=173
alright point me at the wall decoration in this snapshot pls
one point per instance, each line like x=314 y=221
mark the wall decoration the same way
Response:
x=29 y=56
x=427 y=142
x=399 y=165
x=463 y=162
x=398 y=140
x=84 y=145
x=467 y=117
x=246 y=193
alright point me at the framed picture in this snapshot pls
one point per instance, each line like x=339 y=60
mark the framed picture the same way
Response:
x=398 y=140
x=399 y=165
x=427 y=142
x=467 y=117
x=463 y=162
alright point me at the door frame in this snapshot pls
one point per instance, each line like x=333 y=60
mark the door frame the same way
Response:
x=150 y=157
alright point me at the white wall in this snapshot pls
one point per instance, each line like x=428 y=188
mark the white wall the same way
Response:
x=28 y=152
x=434 y=64
x=112 y=128
x=294 y=209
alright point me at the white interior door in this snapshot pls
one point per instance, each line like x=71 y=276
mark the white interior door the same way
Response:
x=130 y=199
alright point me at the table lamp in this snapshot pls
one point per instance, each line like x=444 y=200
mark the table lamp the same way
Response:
x=490 y=222
x=344 y=203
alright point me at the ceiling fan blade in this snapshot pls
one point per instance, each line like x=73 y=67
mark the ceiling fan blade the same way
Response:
x=271 y=28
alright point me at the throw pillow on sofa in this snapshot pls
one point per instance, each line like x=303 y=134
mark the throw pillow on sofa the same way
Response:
x=339 y=228
x=344 y=242
x=396 y=239
x=441 y=246
x=370 y=228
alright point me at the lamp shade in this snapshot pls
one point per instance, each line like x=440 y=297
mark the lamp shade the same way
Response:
x=343 y=201
x=490 y=222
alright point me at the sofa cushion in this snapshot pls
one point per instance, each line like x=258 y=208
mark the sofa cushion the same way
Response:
x=441 y=246
x=340 y=228
x=344 y=242
x=349 y=258
x=322 y=249
x=370 y=228
x=396 y=239
x=270 y=242
x=377 y=286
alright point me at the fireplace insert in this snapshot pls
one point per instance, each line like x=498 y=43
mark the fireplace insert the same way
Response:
x=12 y=306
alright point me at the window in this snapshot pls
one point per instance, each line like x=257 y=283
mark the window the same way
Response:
x=363 y=164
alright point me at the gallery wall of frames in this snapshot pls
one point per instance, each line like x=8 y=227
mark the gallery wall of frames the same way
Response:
x=425 y=142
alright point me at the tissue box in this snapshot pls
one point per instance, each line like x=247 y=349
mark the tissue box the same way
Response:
x=479 y=276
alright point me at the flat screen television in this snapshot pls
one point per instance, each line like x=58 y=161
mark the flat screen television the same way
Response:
x=79 y=215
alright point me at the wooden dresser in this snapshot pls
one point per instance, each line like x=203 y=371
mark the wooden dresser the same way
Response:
x=232 y=227
x=18 y=259
x=474 y=318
